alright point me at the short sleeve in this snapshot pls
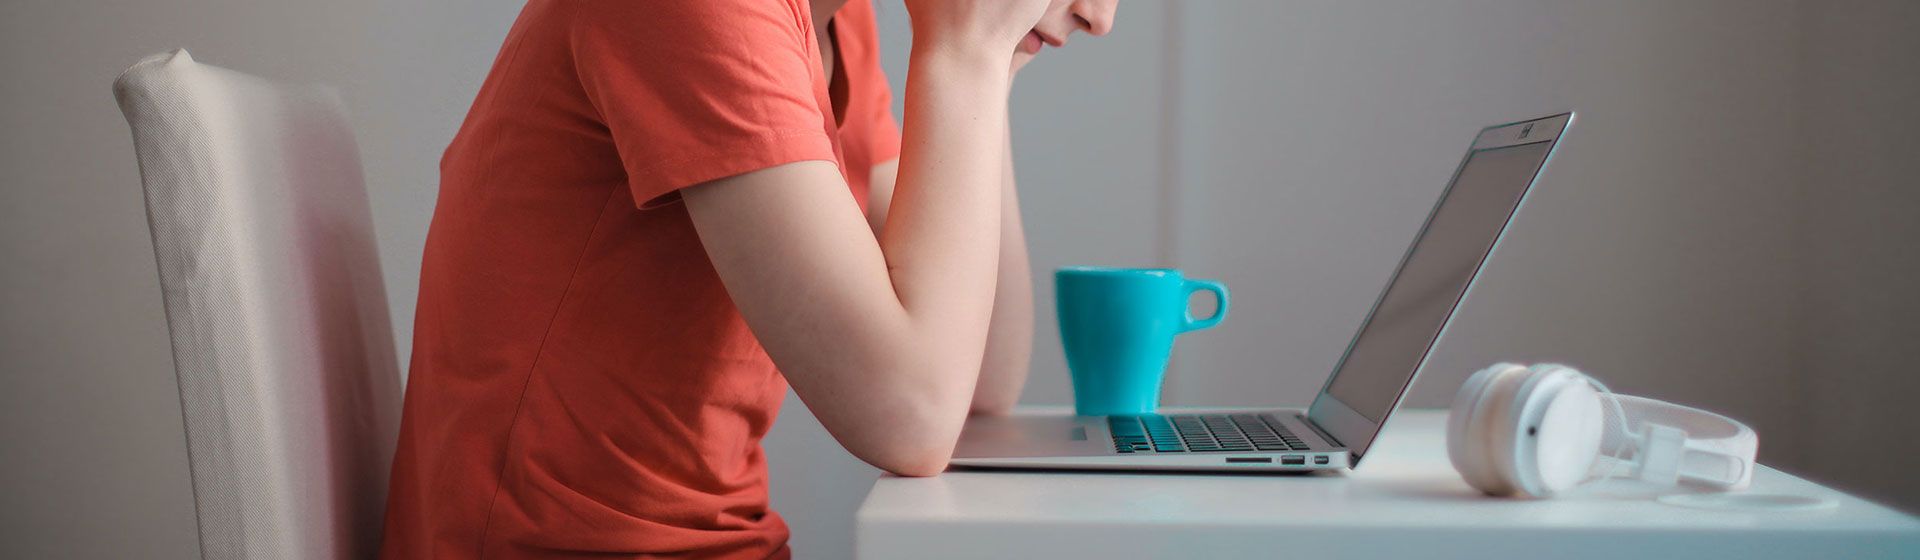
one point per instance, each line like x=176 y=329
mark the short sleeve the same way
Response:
x=697 y=90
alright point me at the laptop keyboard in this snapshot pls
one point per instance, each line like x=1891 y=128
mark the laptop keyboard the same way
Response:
x=1199 y=433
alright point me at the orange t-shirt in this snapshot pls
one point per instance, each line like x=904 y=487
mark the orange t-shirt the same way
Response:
x=581 y=383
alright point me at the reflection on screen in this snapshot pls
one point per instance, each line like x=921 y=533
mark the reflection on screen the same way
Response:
x=1422 y=295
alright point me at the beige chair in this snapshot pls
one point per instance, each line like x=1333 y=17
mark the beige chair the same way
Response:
x=281 y=342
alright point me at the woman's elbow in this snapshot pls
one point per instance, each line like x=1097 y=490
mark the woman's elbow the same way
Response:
x=909 y=425
x=916 y=441
x=992 y=404
x=919 y=462
x=929 y=466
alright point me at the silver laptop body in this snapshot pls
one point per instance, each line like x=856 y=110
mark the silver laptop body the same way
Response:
x=1396 y=338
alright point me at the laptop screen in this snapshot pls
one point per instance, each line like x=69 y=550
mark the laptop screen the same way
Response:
x=1407 y=320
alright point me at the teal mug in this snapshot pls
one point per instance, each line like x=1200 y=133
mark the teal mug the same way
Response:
x=1117 y=326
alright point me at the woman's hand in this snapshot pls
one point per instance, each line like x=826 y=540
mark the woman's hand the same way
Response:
x=974 y=27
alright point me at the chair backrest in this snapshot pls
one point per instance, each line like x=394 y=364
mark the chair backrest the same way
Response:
x=281 y=342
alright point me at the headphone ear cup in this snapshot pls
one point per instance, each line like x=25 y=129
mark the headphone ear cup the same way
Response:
x=1462 y=448
x=1554 y=413
x=1505 y=398
x=1468 y=427
x=1563 y=439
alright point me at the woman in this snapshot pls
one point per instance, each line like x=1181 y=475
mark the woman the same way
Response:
x=657 y=215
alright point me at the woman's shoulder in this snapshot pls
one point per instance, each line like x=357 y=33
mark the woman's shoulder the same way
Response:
x=693 y=16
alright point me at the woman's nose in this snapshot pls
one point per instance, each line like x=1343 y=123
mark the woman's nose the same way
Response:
x=1094 y=16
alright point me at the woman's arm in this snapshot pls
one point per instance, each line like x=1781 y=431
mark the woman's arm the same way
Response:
x=1009 y=352
x=883 y=341
x=880 y=193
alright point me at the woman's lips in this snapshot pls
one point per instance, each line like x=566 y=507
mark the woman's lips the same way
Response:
x=1031 y=43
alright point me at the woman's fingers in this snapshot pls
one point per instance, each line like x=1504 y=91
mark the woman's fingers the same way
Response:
x=986 y=25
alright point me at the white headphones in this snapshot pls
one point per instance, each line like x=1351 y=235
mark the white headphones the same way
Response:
x=1538 y=431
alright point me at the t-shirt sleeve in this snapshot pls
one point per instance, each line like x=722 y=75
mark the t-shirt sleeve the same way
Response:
x=697 y=90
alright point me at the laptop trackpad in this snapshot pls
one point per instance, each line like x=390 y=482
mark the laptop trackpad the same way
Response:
x=1032 y=436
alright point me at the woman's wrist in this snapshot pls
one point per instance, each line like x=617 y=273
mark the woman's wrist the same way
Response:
x=949 y=61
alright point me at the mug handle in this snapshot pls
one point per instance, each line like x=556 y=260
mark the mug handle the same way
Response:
x=1219 y=293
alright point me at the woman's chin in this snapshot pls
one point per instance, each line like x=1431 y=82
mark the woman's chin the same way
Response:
x=1020 y=60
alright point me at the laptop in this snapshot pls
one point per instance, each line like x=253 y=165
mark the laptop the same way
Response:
x=1393 y=342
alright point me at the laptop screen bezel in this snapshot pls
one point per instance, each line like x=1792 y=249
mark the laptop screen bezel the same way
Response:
x=1340 y=421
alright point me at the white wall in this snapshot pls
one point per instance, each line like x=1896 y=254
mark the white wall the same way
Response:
x=1861 y=251
x=1688 y=236
x=92 y=457
x=1316 y=135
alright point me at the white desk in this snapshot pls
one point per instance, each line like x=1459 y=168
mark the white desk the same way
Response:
x=1403 y=502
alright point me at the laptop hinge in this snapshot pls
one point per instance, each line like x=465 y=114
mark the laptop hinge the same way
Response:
x=1308 y=422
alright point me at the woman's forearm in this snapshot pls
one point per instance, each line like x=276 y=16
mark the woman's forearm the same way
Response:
x=941 y=238
x=1009 y=351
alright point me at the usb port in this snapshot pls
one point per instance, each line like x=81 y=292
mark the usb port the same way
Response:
x=1320 y=460
x=1293 y=460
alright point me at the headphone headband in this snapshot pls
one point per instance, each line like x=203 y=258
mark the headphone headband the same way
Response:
x=1713 y=450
